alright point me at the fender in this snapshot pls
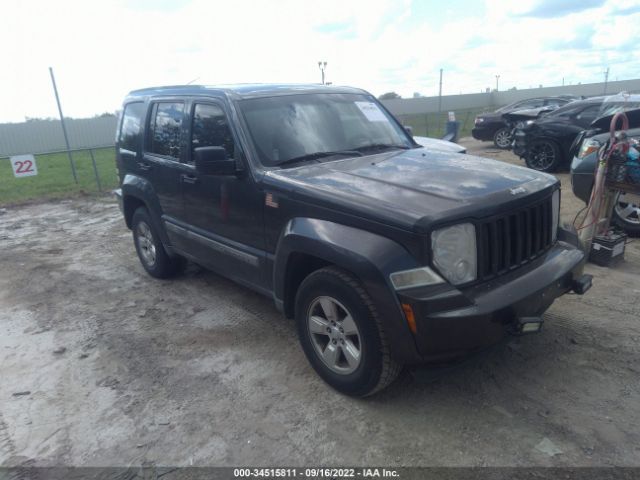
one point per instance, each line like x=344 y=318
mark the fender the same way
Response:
x=370 y=257
x=141 y=189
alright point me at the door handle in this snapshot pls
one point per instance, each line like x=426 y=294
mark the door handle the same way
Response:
x=186 y=178
x=144 y=166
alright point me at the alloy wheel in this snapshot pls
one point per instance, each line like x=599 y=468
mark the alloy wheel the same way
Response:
x=146 y=244
x=542 y=156
x=503 y=138
x=334 y=335
x=627 y=211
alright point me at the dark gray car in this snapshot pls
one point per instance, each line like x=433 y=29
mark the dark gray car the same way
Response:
x=583 y=166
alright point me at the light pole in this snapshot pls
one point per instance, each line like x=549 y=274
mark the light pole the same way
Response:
x=440 y=94
x=497 y=79
x=322 y=66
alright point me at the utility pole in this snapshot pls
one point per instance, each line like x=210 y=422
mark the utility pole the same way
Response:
x=64 y=127
x=440 y=94
x=322 y=66
x=497 y=80
x=606 y=80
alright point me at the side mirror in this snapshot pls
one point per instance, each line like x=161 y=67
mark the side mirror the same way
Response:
x=214 y=161
x=408 y=129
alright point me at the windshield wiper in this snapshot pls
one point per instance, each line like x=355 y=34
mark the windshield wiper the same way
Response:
x=318 y=155
x=381 y=146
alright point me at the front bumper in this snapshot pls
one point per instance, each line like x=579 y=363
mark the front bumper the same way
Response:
x=484 y=132
x=582 y=184
x=451 y=323
x=582 y=176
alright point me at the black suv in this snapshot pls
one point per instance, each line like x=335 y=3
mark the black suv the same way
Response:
x=492 y=126
x=546 y=143
x=385 y=253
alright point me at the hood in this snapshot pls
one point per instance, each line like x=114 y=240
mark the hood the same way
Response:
x=437 y=144
x=490 y=115
x=415 y=187
x=603 y=137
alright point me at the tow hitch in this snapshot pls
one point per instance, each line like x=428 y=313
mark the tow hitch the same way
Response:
x=582 y=284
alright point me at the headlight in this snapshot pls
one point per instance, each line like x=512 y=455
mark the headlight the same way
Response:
x=588 y=147
x=555 y=214
x=479 y=120
x=454 y=252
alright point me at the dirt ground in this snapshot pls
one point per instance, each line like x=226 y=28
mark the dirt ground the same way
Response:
x=101 y=365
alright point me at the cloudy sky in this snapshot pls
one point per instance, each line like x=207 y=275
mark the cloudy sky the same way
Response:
x=102 y=49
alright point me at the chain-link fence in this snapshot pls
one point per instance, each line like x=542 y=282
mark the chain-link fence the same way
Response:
x=434 y=124
x=95 y=172
x=88 y=168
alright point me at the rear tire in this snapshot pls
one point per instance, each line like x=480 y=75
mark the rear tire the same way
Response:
x=151 y=252
x=502 y=138
x=543 y=155
x=357 y=361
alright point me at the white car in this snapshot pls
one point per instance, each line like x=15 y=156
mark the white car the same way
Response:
x=437 y=144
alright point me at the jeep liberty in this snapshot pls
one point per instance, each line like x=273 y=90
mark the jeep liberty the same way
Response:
x=384 y=252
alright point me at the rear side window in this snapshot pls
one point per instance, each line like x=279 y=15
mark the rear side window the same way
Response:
x=210 y=129
x=554 y=102
x=166 y=129
x=567 y=110
x=535 y=103
x=131 y=126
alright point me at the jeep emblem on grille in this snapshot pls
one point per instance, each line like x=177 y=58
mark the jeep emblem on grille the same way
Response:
x=517 y=190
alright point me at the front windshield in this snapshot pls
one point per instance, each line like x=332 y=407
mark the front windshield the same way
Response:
x=292 y=126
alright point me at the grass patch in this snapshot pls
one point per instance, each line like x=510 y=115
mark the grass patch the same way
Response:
x=55 y=180
x=434 y=124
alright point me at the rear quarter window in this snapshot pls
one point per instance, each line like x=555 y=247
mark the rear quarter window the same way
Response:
x=132 y=118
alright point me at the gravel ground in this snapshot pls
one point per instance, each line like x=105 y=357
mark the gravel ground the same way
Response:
x=102 y=365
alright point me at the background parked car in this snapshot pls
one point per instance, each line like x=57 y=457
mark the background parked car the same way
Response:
x=491 y=126
x=520 y=118
x=545 y=143
x=626 y=213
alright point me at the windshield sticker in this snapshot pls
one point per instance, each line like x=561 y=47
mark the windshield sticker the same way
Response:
x=371 y=111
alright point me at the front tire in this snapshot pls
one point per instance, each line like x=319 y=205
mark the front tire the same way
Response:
x=341 y=333
x=151 y=252
x=544 y=156
x=502 y=138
